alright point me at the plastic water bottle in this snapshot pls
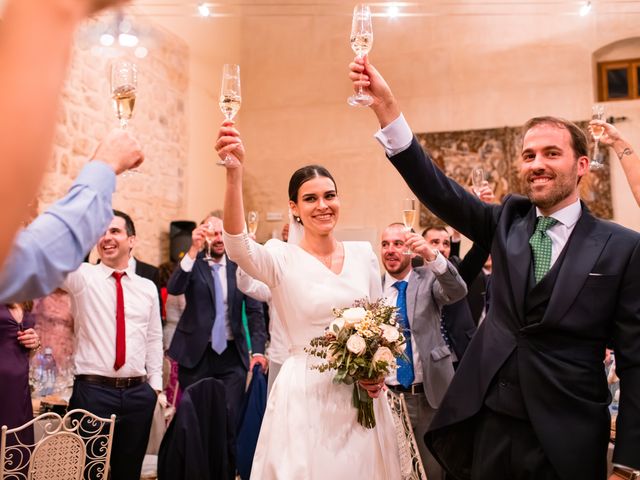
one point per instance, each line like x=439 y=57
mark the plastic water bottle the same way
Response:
x=36 y=373
x=49 y=372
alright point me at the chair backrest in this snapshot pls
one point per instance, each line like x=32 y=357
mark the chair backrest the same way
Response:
x=63 y=448
x=410 y=461
x=58 y=457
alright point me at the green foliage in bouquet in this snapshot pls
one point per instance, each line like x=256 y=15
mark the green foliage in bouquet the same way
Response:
x=361 y=343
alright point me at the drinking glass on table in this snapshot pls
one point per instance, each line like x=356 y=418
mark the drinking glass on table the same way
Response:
x=597 y=113
x=408 y=217
x=230 y=96
x=361 y=43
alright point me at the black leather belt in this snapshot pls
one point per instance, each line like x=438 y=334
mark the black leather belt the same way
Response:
x=413 y=389
x=113 y=382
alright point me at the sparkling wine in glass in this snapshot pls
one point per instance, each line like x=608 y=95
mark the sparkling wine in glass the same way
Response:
x=230 y=96
x=209 y=235
x=361 y=43
x=252 y=221
x=408 y=217
x=477 y=179
x=597 y=113
x=124 y=83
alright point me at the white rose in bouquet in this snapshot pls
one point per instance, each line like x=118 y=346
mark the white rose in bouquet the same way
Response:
x=356 y=344
x=389 y=334
x=337 y=322
x=353 y=316
x=383 y=354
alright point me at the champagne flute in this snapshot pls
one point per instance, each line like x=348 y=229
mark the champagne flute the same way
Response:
x=408 y=217
x=209 y=232
x=252 y=221
x=124 y=83
x=597 y=113
x=361 y=43
x=477 y=179
x=230 y=96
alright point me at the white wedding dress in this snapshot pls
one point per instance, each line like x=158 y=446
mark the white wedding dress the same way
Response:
x=310 y=429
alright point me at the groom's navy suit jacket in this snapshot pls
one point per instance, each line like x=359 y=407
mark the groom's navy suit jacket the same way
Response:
x=193 y=332
x=594 y=302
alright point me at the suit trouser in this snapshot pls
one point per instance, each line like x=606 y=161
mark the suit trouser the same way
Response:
x=133 y=408
x=507 y=448
x=421 y=414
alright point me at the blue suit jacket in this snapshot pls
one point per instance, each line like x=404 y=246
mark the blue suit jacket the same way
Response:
x=193 y=332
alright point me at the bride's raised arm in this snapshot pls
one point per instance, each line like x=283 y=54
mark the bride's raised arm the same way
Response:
x=252 y=257
x=230 y=149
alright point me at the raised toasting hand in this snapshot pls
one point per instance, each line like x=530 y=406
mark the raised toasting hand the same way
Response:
x=120 y=150
x=229 y=145
x=364 y=75
x=628 y=157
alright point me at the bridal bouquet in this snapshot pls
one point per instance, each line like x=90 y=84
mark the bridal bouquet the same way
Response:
x=361 y=343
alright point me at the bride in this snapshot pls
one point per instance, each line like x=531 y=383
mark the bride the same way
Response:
x=310 y=430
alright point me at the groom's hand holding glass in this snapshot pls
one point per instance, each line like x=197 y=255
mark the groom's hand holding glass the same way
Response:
x=364 y=75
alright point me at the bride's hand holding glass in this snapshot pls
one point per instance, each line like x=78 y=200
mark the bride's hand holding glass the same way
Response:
x=229 y=145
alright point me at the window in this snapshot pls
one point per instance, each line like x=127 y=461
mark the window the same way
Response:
x=618 y=80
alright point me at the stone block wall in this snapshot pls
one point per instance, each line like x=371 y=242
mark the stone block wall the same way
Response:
x=154 y=196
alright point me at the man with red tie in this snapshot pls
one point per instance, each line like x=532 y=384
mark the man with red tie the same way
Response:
x=118 y=354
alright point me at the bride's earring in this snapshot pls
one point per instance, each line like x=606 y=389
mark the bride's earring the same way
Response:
x=297 y=219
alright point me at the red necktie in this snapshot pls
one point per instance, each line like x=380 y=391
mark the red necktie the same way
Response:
x=121 y=346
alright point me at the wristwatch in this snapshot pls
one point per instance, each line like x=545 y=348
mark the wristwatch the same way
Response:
x=626 y=473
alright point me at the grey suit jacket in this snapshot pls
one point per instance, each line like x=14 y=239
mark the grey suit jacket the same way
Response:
x=426 y=294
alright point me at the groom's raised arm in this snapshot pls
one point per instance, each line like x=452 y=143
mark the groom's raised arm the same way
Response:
x=442 y=195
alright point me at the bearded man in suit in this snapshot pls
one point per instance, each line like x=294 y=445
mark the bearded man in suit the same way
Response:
x=529 y=398
x=420 y=293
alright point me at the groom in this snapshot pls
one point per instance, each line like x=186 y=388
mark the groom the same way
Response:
x=529 y=399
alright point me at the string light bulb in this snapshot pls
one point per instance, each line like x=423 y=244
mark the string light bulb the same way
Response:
x=585 y=9
x=393 y=10
x=203 y=10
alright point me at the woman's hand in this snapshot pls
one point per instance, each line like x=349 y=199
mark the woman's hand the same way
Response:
x=229 y=145
x=29 y=338
x=373 y=387
x=610 y=134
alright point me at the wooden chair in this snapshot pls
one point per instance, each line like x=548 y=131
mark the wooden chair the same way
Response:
x=72 y=447
x=410 y=461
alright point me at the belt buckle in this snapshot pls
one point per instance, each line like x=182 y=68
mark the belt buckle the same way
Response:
x=413 y=389
x=122 y=382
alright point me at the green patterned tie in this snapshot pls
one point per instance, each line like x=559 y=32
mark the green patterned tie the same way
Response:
x=541 y=247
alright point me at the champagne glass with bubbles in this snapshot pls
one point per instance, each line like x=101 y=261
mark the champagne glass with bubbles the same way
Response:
x=477 y=179
x=361 y=43
x=252 y=222
x=230 y=96
x=124 y=83
x=408 y=217
x=209 y=235
x=597 y=113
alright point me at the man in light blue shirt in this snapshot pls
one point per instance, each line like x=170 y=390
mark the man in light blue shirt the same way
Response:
x=58 y=240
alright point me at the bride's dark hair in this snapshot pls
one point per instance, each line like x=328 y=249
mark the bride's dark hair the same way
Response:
x=305 y=174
